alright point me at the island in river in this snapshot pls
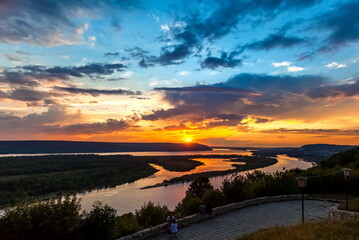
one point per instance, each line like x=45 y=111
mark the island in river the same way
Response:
x=37 y=177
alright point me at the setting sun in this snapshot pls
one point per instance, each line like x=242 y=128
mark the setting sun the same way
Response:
x=188 y=139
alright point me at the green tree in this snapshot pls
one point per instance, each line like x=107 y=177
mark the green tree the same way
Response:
x=213 y=197
x=99 y=223
x=126 y=224
x=188 y=206
x=198 y=187
x=56 y=219
x=234 y=189
x=151 y=215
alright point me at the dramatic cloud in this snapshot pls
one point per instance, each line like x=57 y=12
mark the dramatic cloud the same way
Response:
x=205 y=88
x=30 y=78
x=109 y=54
x=189 y=38
x=96 y=92
x=171 y=55
x=19 y=20
x=32 y=75
x=27 y=95
x=342 y=22
x=57 y=120
x=335 y=91
x=137 y=52
x=36 y=121
x=275 y=41
x=225 y=61
x=243 y=95
x=111 y=125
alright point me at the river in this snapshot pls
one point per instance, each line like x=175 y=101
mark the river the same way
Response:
x=129 y=197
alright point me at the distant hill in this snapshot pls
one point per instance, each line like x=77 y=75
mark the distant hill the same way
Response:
x=318 y=152
x=311 y=152
x=348 y=158
x=32 y=147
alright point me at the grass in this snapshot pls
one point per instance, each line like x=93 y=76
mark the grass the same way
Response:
x=324 y=230
x=333 y=196
x=353 y=205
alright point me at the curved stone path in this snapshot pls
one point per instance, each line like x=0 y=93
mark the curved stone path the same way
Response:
x=246 y=220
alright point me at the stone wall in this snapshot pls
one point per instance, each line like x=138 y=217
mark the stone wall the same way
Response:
x=182 y=222
x=336 y=214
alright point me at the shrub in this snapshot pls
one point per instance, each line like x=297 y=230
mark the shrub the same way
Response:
x=126 y=224
x=233 y=189
x=198 y=187
x=213 y=197
x=150 y=215
x=188 y=206
x=100 y=222
x=56 y=219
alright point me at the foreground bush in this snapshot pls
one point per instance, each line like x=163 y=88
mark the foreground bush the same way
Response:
x=151 y=215
x=126 y=224
x=99 y=223
x=324 y=230
x=51 y=220
x=188 y=206
x=62 y=219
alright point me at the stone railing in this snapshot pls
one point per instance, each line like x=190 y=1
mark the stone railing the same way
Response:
x=182 y=222
x=336 y=214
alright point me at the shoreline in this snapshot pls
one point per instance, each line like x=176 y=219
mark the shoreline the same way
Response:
x=252 y=163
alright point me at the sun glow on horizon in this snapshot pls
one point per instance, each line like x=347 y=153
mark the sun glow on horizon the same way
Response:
x=188 y=139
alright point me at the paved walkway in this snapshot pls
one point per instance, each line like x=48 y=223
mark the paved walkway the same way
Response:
x=237 y=223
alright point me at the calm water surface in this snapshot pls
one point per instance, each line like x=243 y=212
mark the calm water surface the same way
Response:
x=214 y=151
x=129 y=197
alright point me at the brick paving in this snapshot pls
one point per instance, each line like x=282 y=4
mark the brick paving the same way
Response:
x=237 y=223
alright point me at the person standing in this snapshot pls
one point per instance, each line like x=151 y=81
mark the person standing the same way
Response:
x=170 y=219
x=174 y=229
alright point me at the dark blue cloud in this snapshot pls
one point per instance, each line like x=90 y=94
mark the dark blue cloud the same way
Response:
x=335 y=91
x=32 y=75
x=269 y=83
x=250 y=95
x=30 y=78
x=342 y=22
x=206 y=88
x=32 y=97
x=50 y=22
x=137 y=52
x=222 y=20
x=110 y=54
x=111 y=125
x=275 y=41
x=225 y=61
x=96 y=92
x=44 y=122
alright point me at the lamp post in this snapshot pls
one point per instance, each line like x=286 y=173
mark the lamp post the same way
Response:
x=302 y=183
x=346 y=172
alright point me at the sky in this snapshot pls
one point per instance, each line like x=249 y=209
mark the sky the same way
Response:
x=223 y=73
